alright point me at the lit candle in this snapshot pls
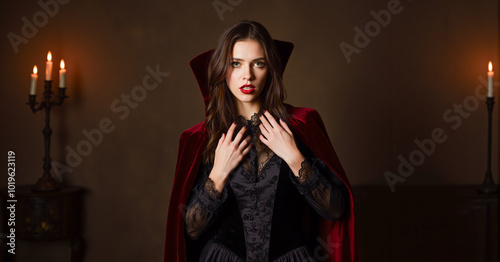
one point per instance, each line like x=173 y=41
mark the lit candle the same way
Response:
x=48 y=68
x=490 y=79
x=62 y=75
x=34 y=77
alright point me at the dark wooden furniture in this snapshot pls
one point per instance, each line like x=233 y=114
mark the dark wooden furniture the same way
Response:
x=47 y=216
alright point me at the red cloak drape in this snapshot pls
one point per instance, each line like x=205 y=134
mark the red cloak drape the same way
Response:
x=338 y=239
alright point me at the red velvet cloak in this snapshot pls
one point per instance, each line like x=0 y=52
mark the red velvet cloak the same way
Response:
x=338 y=239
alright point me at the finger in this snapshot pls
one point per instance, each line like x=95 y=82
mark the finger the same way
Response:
x=243 y=144
x=246 y=150
x=285 y=126
x=240 y=135
x=266 y=123
x=271 y=119
x=221 y=139
x=263 y=130
x=230 y=131
x=264 y=140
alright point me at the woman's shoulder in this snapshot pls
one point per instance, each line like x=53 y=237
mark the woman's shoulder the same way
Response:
x=305 y=113
x=195 y=130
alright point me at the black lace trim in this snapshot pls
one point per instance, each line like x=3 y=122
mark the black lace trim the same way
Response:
x=212 y=204
x=258 y=173
x=265 y=165
x=210 y=188
x=305 y=171
x=252 y=126
x=252 y=161
x=269 y=155
x=254 y=120
x=309 y=175
x=208 y=196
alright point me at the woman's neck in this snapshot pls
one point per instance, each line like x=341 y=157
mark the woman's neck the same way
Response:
x=247 y=110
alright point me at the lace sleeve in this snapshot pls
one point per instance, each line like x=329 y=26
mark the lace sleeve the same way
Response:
x=322 y=189
x=203 y=205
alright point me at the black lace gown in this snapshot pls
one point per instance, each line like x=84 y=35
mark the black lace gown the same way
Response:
x=264 y=213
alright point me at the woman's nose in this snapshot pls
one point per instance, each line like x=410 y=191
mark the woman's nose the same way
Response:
x=247 y=73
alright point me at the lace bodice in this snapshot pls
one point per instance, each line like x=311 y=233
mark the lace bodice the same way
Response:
x=253 y=130
x=254 y=190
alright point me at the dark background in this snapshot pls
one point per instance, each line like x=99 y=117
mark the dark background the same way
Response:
x=428 y=59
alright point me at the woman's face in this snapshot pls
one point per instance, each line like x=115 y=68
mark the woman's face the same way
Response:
x=247 y=72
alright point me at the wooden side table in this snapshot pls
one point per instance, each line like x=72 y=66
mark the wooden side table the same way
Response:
x=47 y=216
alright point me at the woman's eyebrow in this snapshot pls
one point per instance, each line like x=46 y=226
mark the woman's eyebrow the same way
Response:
x=256 y=59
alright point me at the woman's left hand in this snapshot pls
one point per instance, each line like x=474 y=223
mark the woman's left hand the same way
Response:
x=279 y=138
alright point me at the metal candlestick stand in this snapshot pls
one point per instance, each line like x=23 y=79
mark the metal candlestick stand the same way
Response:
x=488 y=185
x=47 y=182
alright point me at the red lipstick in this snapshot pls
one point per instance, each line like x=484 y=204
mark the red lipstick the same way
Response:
x=247 y=89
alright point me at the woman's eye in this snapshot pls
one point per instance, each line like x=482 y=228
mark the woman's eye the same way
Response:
x=235 y=64
x=259 y=64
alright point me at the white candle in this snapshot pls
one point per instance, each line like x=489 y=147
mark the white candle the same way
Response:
x=48 y=68
x=34 y=77
x=490 y=79
x=62 y=75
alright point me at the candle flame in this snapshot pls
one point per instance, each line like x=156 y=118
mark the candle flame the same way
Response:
x=35 y=70
x=490 y=66
x=49 y=56
x=62 y=64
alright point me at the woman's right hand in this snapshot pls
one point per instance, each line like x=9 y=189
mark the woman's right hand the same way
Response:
x=228 y=155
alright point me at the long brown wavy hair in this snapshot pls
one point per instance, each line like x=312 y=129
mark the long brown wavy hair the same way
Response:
x=221 y=109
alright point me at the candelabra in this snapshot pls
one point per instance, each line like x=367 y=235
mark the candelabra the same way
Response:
x=47 y=182
x=488 y=185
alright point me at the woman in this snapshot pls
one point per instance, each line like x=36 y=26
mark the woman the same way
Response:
x=258 y=180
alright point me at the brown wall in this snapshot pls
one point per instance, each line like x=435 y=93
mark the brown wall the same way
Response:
x=395 y=90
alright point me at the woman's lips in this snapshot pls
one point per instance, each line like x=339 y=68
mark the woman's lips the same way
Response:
x=247 y=89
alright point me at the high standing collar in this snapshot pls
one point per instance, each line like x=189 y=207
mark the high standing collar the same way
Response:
x=199 y=65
